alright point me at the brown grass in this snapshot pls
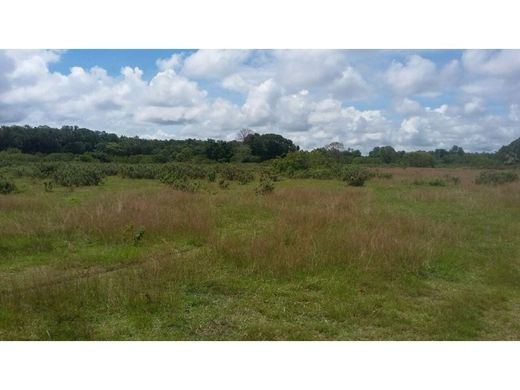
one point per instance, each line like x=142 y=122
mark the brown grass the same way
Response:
x=315 y=228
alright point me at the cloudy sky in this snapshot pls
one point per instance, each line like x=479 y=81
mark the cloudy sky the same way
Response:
x=362 y=98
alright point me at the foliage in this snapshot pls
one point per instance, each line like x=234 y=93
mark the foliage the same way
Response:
x=434 y=182
x=233 y=173
x=77 y=176
x=223 y=184
x=268 y=146
x=419 y=159
x=510 y=154
x=6 y=186
x=355 y=175
x=496 y=177
x=265 y=186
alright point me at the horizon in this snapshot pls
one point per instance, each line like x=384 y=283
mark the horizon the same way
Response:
x=409 y=99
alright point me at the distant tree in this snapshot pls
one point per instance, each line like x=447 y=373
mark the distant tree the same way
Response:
x=457 y=150
x=219 y=150
x=243 y=134
x=510 y=154
x=419 y=159
x=386 y=154
x=335 y=147
x=268 y=146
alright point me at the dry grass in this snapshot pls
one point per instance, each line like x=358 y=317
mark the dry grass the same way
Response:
x=313 y=260
x=315 y=229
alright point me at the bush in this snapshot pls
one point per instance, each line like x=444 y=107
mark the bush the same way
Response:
x=139 y=171
x=7 y=186
x=223 y=184
x=266 y=186
x=212 y=176
x=495 y=178
x=232 y=173
x=434 y=182
x=77 y=176
x=355 y=175
x=185 y=185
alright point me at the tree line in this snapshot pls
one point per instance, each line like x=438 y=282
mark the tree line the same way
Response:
x=74 y=143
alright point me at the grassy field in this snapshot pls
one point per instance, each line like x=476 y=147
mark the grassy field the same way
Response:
x=397 y=259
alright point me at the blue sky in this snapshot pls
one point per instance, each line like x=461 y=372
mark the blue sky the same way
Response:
x=411 y=99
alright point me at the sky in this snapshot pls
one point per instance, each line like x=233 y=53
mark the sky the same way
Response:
x=410 y=99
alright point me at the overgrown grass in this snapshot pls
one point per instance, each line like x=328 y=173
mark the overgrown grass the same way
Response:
x=314 y=260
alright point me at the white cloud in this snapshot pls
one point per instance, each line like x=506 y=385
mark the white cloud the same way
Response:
x=213 y=63
x=475 y=106
x=306 y=95
x=416 y=76
x=260 y=103
x=497 y=63
x=350 y=85
x=173 y=62
x=407 y=107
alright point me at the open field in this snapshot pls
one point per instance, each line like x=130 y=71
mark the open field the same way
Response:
x=133 y=259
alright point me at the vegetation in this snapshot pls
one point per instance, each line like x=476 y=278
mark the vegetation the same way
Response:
x=198 y=244
x=494 y=178
x=6 y=186
x=355 y=175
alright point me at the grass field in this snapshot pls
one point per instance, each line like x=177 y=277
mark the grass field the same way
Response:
x=397 y=259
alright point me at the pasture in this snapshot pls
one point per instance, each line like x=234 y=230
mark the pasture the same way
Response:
x=416 y=254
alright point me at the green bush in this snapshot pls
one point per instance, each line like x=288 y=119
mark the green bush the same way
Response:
x=355 y=175
x=223 y=184
x=140 y=171
x=77 y=176
x=496 y=177
x=434 y=182
x=212 y=175
x=266 y=186
x=232 y=173
x=185 y=185
x=6 y=186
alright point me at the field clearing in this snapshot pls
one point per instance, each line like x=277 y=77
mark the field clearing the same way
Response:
x=314 y=260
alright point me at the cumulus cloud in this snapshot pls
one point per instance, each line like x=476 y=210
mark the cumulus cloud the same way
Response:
x=417 y=75
x=214 y=63
x=314 y=97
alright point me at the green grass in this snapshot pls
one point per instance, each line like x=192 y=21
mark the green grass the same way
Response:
x=315 y=260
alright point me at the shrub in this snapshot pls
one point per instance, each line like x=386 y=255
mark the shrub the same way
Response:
x=48 y=185
x=139 y=171
x=77 y=176
x=434 y=182
x=495 y=178
x=266 y=186
x=212 y=176
x=232 y=173
x=224 y=184
x=185 y=185
x=6 y=186
x=355 y=175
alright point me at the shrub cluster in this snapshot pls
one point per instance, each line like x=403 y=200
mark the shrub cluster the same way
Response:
x=6 y=186
x=77 y=176
x=355 y=175
x=233 y=173
x=266 y=185
x=434 y=182
x=496 y=177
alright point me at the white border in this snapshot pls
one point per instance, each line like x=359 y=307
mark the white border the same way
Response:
x=258 y=24
x=254 y=365
x=265 y=24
